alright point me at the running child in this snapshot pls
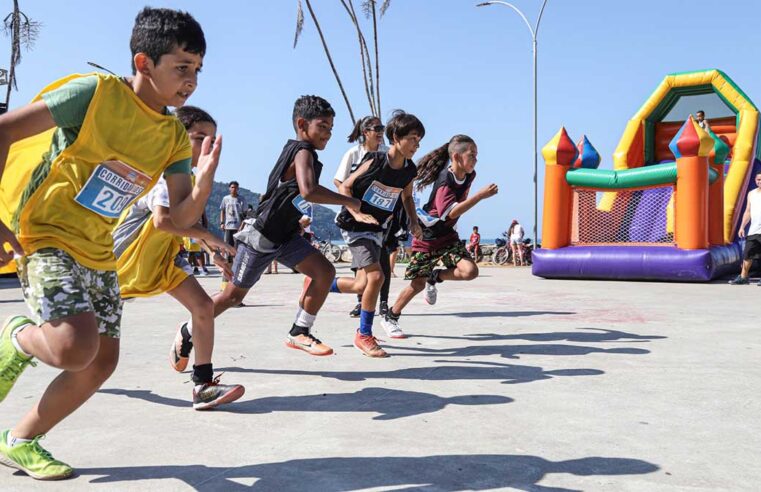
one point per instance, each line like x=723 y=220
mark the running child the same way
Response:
x=91 y=146
x=149 y=263
x=383 y=181
x=368 y=135
x=447 y=202
x=276 y=235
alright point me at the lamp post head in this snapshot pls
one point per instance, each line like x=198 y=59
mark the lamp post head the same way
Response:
x=3 y=76
x=483 y=4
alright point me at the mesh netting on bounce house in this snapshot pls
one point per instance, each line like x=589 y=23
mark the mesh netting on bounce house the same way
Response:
x=671 y=207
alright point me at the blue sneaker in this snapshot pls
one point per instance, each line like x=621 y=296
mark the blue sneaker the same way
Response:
x=739 y=280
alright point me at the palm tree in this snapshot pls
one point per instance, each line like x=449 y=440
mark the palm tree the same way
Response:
x=23 y=31
x=371 y=86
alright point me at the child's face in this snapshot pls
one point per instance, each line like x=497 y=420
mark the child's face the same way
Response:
x=174 y=77
x=469 y=158
x=374 y=134
x=197 y=132
x=316 y=131
x=408 y=144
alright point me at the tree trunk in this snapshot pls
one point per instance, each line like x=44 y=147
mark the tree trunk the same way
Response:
x=15 y=50
x=377 y=63
x=330 y=59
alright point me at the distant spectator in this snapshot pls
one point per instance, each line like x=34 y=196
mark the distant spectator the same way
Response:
x=231 y=213
x=515 y=236
x=474 y=246
x=752 y=248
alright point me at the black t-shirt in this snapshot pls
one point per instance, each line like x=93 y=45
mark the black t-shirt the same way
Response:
x=379 y=190
x=281 y=206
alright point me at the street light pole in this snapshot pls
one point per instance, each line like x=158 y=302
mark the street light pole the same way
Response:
x=3 y=81
x=534 y=33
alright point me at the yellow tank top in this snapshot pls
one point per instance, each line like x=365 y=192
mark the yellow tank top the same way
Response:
x=123 y=147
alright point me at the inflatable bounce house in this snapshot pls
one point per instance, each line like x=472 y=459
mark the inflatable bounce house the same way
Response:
x=671 y=207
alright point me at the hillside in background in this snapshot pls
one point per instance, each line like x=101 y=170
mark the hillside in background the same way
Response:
x=323 y=224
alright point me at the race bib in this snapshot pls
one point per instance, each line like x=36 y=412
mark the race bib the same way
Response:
x=111 y=188
x=381 y=196
x=304 y=206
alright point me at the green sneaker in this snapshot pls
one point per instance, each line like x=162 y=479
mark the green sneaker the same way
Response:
x=32 y=459
x=12 y=362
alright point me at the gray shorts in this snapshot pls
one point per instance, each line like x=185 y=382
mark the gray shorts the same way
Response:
x=364 y=252
x=249 y=263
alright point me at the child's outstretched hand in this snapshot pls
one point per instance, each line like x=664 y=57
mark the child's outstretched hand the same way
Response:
x=360 y=216
x=487 y=191
x=209 y=158
x=220 y=246
x=222 y=264
x=6 y=236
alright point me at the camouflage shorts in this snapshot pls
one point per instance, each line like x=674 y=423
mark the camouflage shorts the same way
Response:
x=56 y=286
x=422 y=264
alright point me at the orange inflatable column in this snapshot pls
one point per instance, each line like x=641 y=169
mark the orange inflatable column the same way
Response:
x=559 y=155
x=716 y=159
x=691 y=146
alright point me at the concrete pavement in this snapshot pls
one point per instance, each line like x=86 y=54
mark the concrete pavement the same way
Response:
x=509 y=383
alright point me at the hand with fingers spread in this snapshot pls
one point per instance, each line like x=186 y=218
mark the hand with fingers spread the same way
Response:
x=6 y=236
x=209 y=159
x=220 y=246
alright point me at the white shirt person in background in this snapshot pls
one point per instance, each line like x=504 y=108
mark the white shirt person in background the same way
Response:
x=515 y=237
x=368 y=133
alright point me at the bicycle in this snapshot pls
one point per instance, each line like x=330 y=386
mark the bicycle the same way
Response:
x=502 y=253
x=331 y=251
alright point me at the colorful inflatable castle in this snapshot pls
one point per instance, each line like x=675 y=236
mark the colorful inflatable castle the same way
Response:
x=670 y=208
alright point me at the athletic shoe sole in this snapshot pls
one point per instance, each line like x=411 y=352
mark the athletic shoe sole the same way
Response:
x=45 y=478
x=228 y=397
x=372 y=356
x=306 y=349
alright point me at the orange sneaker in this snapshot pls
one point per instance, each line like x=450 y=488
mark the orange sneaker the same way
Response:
x=181 y=348
x=308 y=344
x=368 y=345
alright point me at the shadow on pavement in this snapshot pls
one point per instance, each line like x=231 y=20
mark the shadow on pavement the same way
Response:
x=389 y=403
x=448 y=473
x=511 y=351
x=492 y=314
x=508 y=373
x=596 y=335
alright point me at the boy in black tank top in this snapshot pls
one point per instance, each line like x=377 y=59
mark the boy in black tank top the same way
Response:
x=275 y=235
x=383 y=182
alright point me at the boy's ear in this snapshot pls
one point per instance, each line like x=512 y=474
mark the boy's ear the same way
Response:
x=301 y=124
x=143 y=63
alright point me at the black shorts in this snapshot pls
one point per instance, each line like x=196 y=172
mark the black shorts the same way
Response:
x=752 y=250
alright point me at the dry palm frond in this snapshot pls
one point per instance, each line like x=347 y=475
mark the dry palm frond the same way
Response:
x=299 y=23
x=364 y=56
x=367 y=7
x=384 y=7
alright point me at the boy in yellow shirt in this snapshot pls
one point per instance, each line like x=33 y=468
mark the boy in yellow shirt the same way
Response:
x=83 y=151
x=149 y=263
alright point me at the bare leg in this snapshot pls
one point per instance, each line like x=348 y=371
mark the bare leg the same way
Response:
x=321 y=272
x=745 y=271
x=231 y=296
x=69 y=391
x=392 y=261
x=374 y=280
x=191 y=295
x=69 y=343
x=407 y=294
x=355 y=285
x=466 y=269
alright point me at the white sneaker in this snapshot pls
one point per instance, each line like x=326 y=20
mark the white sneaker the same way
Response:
x=391 y=326
x=430 y=293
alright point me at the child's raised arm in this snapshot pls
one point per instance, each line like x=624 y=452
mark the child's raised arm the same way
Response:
x=187 y=202
x=313 y=192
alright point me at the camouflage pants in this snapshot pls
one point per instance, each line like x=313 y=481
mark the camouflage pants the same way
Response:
x=56 y=286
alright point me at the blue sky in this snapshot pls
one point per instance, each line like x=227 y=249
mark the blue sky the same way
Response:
x=460 y=69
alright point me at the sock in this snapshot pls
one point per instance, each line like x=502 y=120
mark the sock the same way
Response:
x=16 y=344
x=202 y=374
x=297 y=330
x=11 y=441
x=189 y=328
x=366 y=322
x=359 y=298
x=434 y=279
x=304 y=319
x=334 y=286
x=391 y=314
